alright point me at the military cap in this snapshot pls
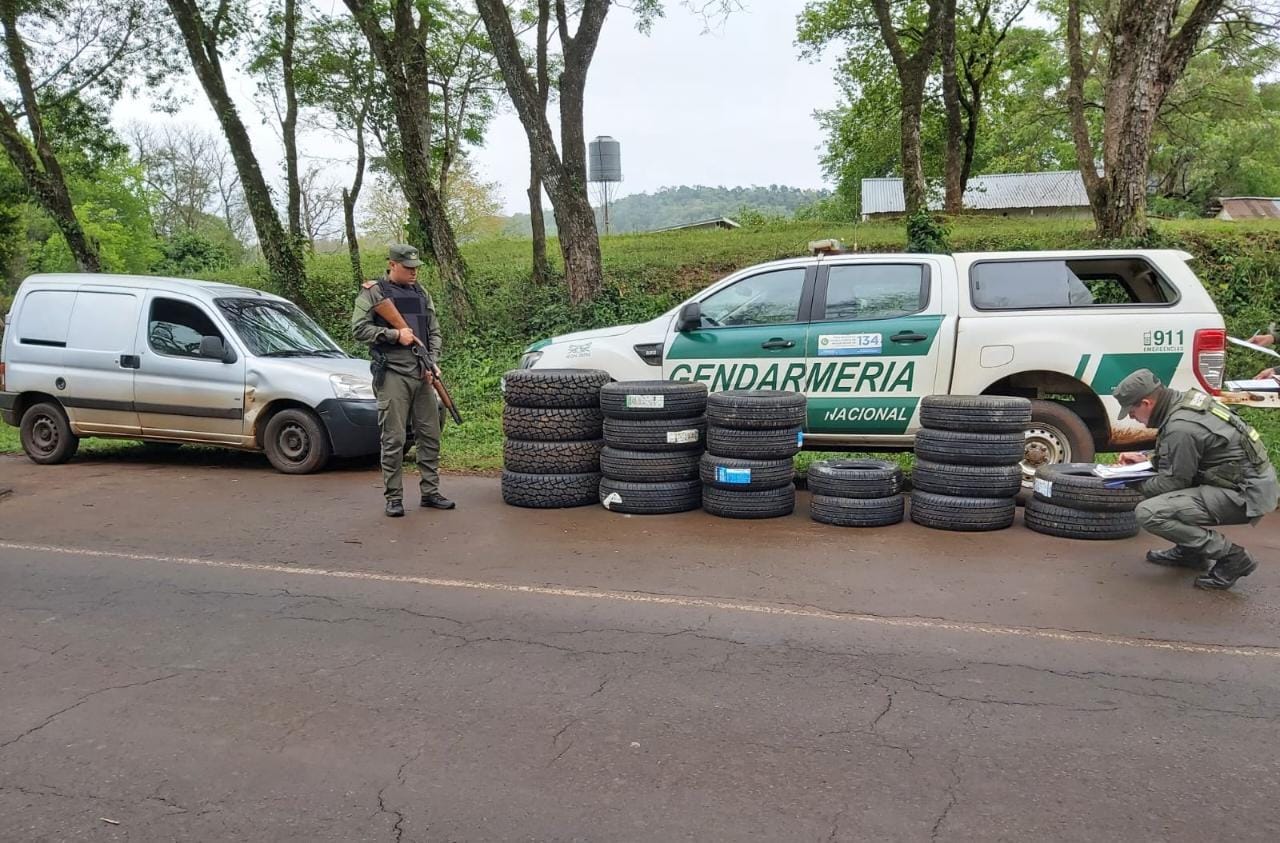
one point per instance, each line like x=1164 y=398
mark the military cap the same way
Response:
x=403 y=253
x=1133 y=389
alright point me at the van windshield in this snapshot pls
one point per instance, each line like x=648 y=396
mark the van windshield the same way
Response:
x=277 y=329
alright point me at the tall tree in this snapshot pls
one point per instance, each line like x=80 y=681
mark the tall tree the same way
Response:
x=273 y=61
x=542 y=91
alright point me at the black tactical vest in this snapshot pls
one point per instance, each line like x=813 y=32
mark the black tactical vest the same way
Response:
x=411 y=301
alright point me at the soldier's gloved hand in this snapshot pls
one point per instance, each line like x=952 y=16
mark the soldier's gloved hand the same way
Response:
x=405 y=336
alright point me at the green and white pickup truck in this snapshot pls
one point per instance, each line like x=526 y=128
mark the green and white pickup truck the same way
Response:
x=865 y=337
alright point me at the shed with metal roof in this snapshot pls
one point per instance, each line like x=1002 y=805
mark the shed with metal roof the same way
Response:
x=1059 y=193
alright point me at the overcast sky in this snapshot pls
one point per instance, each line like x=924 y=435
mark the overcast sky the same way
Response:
x=732 y=107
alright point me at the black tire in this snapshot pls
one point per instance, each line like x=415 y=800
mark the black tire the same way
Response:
x=649 y=466
x=754 y=444
x=296 y=442
x=869 y=479
x=555 y=388
x=981 y=481
x=563 y=424
x=656 y=434
x=1074 y=485
x=961 y=514
x=956 y=448
x=857 y=512
x=534 y=457
x=766 y=503
x=976 y=413
x=650 y=498
x=1069 y=523
x=1055 y=435
x=46 y=434
x=653 y=399
x=749 y=409
x=550 y=491
x=737 y=474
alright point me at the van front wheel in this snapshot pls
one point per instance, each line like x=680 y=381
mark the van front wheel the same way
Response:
x=1054 y=435
x=46 y=434
x=296 y=443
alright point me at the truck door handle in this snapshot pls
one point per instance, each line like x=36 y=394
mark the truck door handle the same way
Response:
x=907 y=336
x=130 y=361
x=777 y=342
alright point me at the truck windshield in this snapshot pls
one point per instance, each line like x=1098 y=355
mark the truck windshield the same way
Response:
x=277 y=329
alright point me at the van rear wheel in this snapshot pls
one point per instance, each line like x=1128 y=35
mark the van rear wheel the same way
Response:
x=296 y=443
x=46 y=434
x=1054 y=435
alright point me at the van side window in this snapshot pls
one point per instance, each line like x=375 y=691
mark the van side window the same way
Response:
x=770 y=298
x=175 y=328
x=1075 y=282
x=875 y=291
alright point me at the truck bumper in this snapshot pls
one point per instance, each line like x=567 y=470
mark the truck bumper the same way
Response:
x=352 y=426
x=8 y=405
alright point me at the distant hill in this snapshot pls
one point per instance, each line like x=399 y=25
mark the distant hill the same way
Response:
x=678 y=205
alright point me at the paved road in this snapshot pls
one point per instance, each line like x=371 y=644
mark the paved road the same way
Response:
x=202 y=652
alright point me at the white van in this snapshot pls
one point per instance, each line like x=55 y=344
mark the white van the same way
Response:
x=172 y=360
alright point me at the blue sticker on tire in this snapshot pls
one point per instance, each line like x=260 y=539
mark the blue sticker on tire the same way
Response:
x=740 y=476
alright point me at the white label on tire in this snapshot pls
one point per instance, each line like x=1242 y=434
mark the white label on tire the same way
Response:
x=647 y=402
x=682 y=437
x=611 y=499
x=733 y=475
x=1044 y=488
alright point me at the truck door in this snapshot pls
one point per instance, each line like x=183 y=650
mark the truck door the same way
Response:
x=98 y=361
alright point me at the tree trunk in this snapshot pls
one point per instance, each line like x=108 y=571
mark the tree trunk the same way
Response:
x=953 y=179
x=914 y=189
x=289 y=126
x=537 y=219
x=579 y=242
x=349 y=198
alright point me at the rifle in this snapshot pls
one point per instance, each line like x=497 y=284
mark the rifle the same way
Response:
x=431 y=374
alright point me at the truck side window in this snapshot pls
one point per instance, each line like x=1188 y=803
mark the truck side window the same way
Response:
x=1075 y=282
x=175 y=328
x=770 y=298
x=875 y=291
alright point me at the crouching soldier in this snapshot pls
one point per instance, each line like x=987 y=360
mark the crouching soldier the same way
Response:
x=1212 y=469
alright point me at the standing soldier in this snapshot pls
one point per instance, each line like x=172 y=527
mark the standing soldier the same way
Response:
x=403 y=388
x=1212 y=469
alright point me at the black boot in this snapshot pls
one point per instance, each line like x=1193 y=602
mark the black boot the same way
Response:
x=1179 y=556
x=395 y=508
x=437 y=501
x=1233 y=565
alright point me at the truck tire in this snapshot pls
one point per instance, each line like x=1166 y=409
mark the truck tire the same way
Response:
x=1069 y=523
x=553 y=387
x=653 y=399
x=1074 y=485
x=857 y=512
x=550 y=491
x=736 y=473
x=954 y=447
x=650 y=498
x=977 y=413
x=754 y=444
x=551 y=424
x=46 y=434
x=766 y=503
x=869 y=479
x=984 y=481
x=296 y=442
x=749 y=409
x=649 y=466
x=961 y=514
x=1054 y=435
x=533 y=457
x=687 y=434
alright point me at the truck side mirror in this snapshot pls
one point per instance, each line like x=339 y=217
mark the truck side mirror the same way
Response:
x=214 y=349
x=690 y=317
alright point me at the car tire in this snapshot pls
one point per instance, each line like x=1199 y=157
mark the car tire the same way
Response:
x=749 y=409
x=1069 y=523
x=1055 y=435
x=45 y=433
x=552 y=424
x=754 y=444
x=650 y=498
x=767 y=503
x=957 y=448
x=653 y=399
x=1074 y=485
x=687 y=434
x=961 y=514
x=553 y=388
x=870 y=479
x=534 y=457
x=550 y=491
x=976 y=413
x=857 y=512
x=649 y=466
x=738 y=474
x=296 y=442
x=988 y=481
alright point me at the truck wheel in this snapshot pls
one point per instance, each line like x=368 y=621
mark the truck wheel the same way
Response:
x=46 y=434
x=553 y=387
x=649 y=466
x=533 y=457
x=1055 y=435
x=653 y=399
x=979 y=413
x=855 y=478
x=656 y=434
x=550 y=491
x=735 y=473
x=559 y=424
x=857 y=512
x=1075 y=485
x=754 y=444
x=650 y=498
x=1069 y=523
x=962 y=514
x=987 y=481
x=296 y=443
x=749 y=409
x=769 y=503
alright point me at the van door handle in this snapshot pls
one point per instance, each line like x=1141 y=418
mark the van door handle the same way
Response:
x=777 y=342
x=130 y=361
x=907 y=336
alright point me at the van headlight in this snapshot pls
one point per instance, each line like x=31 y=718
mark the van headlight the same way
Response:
x=352 y=387
x=530 y=359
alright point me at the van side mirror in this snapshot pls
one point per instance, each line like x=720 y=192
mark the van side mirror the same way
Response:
x=214 y=349
x=690 y=317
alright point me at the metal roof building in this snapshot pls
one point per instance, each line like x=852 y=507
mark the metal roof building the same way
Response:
x=1021 y=193
x=715 y=222
x=1248 y=208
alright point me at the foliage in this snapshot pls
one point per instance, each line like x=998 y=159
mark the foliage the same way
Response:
x=191 y=254
x=926 y=233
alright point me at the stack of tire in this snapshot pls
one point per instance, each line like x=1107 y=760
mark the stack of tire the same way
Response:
x=855 y=493
x=1071 y=502
x=654 y=434
x=968 y=461
x=552 y=423
x=752 y=435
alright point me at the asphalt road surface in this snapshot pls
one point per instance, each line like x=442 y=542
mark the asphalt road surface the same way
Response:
x=204 y=651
